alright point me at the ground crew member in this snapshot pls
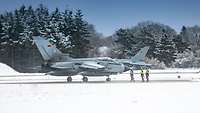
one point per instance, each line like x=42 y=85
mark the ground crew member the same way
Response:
x=132 y=74
x=147 y=75
x=142 y=74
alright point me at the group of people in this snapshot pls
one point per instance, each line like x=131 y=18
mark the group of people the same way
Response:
x=142 y=73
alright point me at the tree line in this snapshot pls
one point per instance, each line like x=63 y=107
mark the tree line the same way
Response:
x=166 y=45
x=72 y=34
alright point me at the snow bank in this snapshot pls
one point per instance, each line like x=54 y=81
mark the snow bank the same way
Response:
x=7 y=70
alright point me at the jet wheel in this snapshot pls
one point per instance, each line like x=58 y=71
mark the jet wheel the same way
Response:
x=69 y=79
x=108 y=79
x=85 y=79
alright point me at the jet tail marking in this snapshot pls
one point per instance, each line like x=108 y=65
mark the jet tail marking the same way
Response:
x=47 y=52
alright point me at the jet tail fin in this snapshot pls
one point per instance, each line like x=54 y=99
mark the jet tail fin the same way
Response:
x=46 y=49
x=140 y=56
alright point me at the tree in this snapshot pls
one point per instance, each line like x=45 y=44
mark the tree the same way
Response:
x=4 y=26
x=42 y=14
x=80 y=45
x=1 y=26
x=10 y=29
x=125 y=38
x=166 y=51
x=144 y=34
x=67 y=27
x=191 y=35
x=184 y=34
x=53 y=28
x=18 y=26
x=126 y=41
x=32 y=23
x=180 y=45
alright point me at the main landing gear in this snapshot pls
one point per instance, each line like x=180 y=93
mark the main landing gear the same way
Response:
x=69 y=79
x=108 y=79
x=85 y=79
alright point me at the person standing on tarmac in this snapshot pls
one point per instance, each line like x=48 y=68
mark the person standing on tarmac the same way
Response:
x=142 y=74
x=147 y=75
x=132 y=75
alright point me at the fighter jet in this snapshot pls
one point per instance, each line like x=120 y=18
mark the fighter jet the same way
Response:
x=135 y=61
x=60 y=64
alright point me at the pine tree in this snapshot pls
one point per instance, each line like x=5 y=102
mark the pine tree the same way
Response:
x=10 y=29
x=4 y=28
x=1 y=30
x=184 y=34
x=32 y=22
x=56 y=16
x=125 y=38
x=1 y=24
x=18 y=26
x=67 y=28
x=180 y=45
x=78 y=40
x=54 y=30
x=127 y=42
x=166 y=51
x=22 y=10
x=42 y=14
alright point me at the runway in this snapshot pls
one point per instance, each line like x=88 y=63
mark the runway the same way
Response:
x=121 y=78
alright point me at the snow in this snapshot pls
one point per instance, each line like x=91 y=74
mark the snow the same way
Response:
x=6 y=70
x=170 y=97
x=165 y=93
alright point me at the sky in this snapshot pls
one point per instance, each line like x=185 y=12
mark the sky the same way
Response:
x=110 y=15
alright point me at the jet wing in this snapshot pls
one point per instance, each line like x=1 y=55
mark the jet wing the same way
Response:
x=62 y=65
x=91 y=65
x=136 y=63
x=141 y=64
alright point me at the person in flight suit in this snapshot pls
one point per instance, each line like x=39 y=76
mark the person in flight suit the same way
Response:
x=147 y=75
x=142 y=74
x=132 y=75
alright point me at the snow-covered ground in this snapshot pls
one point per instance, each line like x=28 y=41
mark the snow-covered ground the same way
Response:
x=165 y=93
x=153 y=97
x=6 y=70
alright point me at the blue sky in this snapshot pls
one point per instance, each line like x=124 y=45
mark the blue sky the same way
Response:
x=110 y=15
